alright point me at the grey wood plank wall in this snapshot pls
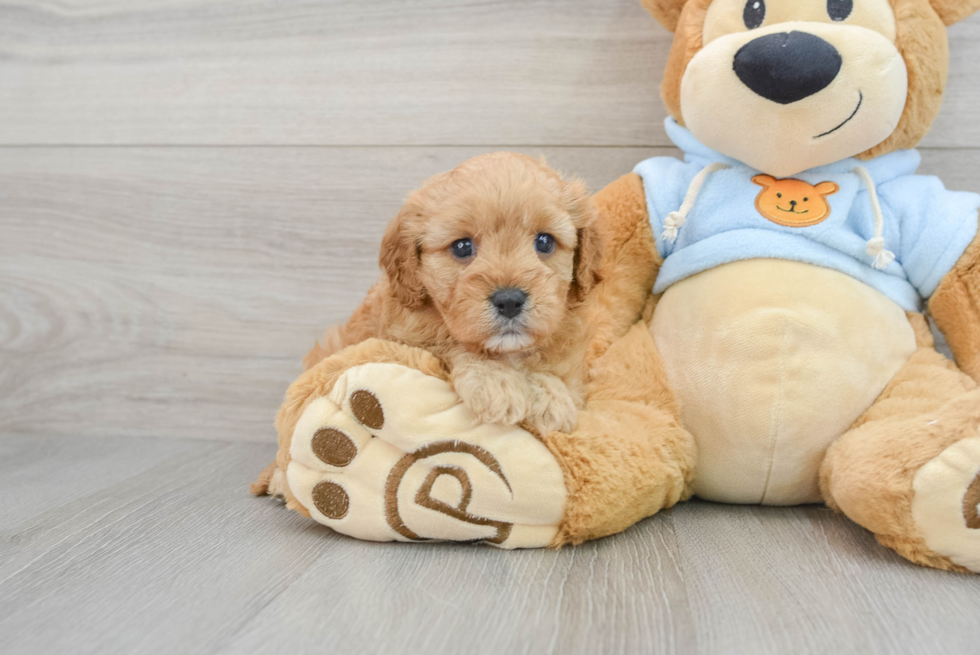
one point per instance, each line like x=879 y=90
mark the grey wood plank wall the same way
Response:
x=191 y=190
x=345 y=72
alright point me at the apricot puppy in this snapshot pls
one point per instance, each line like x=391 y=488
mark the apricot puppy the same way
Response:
x=486 y=267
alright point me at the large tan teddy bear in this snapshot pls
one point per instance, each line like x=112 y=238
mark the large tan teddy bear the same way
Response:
x=784 y=356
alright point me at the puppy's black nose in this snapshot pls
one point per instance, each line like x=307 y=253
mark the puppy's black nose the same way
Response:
x=787 y=67
x=792 y=203
x=509 y=302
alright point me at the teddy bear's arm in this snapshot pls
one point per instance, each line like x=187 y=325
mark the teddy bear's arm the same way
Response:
x=630 y=262
x=955 y=307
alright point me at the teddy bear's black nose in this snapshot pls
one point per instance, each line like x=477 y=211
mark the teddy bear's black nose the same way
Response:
x=787 y=67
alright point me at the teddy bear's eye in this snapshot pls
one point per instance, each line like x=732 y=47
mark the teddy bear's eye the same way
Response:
x=755 y=13
x=840 y=10
x=806 y=200
x=779 y=195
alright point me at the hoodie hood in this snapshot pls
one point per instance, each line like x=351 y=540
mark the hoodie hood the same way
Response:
x=883 y=169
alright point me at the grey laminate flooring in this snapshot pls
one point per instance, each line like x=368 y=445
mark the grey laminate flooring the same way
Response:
x=132 y=545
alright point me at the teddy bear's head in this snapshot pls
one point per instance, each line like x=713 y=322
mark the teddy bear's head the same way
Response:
x=788 y=85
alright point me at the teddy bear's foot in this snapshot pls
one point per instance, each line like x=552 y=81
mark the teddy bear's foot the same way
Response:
x=908 y=470
x=390 y=454
x=946 y=505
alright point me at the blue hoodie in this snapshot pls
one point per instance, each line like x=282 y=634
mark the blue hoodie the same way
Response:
x=925 y=227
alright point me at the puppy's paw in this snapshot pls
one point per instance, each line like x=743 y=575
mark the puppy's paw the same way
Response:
x=553 y=406
x=496 y=394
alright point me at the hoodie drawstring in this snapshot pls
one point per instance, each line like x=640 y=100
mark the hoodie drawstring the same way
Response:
x=675 y=220
x=876 y=245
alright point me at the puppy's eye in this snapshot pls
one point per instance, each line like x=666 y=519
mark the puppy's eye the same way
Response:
x=755 y=13
x=462 y=249
x=806 y=200
x=544 y=243
x=779 y=195
x=840 y=10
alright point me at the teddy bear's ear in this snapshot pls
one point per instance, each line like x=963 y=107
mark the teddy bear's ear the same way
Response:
x=953 y=11
x=764 y=180
x=668 y=12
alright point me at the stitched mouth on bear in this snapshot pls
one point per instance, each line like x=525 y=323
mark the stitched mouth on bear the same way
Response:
x=849 y=119
x=792 y=210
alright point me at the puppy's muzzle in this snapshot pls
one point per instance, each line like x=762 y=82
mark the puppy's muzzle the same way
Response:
x=509 y=302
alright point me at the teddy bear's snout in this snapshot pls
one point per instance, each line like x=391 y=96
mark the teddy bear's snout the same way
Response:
x=787 y=67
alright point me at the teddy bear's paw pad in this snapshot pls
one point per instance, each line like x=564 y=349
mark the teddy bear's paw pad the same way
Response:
x=392 y=455
x=946 y=506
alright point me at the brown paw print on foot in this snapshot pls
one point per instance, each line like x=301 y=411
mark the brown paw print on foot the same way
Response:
x=336 y=448
x=971 y=513
x=944 y=505
x=367 y=409
x=424 y=497
x=331 y=499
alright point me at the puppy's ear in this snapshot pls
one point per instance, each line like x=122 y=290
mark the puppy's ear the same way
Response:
x=588 y=250
x=764 y=180
x=401 y=255
x=953 y=11
x=667 y=12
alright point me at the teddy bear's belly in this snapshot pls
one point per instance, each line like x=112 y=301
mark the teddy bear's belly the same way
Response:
x=771 y=361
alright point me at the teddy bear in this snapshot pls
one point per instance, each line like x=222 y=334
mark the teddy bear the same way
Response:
x=761 y=321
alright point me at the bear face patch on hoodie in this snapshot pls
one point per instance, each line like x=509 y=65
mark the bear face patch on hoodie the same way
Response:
x=876 y=220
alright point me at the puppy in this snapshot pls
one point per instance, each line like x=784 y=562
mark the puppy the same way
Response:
x=486 y=266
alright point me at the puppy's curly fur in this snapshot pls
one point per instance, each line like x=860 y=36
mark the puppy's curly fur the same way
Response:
x=507 y=370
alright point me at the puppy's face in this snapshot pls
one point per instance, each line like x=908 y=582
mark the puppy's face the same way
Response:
x=499 y=263
x=500 y=247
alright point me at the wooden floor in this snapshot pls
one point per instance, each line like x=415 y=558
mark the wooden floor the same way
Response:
x=190 y=190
